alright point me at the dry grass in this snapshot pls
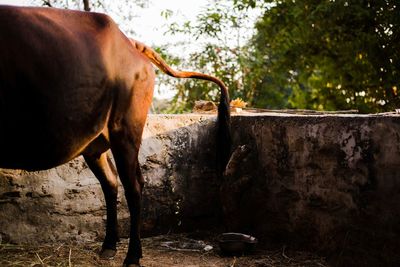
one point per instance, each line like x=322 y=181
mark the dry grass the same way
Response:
x=155 y=255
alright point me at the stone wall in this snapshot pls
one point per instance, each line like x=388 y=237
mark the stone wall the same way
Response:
x=328 y=183
x=67 y=202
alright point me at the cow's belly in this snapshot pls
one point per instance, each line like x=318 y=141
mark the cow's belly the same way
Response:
x=35 y=136
x=37 y=147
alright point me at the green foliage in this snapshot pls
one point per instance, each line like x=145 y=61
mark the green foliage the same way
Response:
x=219 y=30
x=333 y=54
x=324 y=55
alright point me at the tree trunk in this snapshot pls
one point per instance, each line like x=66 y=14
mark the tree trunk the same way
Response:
x=86 y=5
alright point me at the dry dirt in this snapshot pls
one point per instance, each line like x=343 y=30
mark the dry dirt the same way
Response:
x=160 y=251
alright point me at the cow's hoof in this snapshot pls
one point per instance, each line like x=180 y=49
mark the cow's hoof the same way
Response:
x=107 y=253
x=132 y=263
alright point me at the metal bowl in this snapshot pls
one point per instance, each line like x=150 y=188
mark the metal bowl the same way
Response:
x=236 y=243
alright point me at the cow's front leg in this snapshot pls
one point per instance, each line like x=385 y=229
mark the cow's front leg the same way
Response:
x=105 y=172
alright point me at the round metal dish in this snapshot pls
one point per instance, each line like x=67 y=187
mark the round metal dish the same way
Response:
x=236 y=243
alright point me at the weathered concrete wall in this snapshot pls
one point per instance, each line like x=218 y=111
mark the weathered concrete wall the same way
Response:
x=327 y=183
x=67 y=202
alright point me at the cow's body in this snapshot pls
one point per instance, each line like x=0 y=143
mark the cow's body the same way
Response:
x=72 y=84
x=60 y=74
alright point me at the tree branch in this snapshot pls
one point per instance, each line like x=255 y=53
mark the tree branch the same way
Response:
x=86 y=5
x=47 y=3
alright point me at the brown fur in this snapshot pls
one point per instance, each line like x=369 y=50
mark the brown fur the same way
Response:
x=72 y=84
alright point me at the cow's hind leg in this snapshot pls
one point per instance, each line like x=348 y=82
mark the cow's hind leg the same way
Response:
x=105 y=172
x=125 y=147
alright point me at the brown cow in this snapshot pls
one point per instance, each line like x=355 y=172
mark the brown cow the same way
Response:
x=71 y=83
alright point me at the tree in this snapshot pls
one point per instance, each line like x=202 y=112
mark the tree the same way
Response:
x=86 y=5
x=324 y=55
x=333 y=54
x=222 y=36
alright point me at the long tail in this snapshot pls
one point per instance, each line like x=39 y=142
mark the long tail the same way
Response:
x=224 y=141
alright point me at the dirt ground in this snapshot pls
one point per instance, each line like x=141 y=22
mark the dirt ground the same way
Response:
x=160 y=251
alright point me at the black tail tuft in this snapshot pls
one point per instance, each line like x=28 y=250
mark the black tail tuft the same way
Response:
x=224 y=139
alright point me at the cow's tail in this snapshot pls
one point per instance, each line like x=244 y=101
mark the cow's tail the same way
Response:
x=224 y=141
